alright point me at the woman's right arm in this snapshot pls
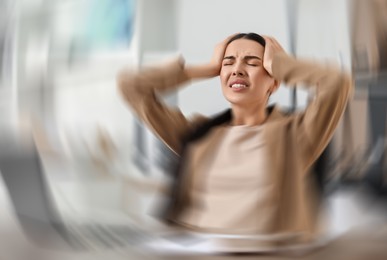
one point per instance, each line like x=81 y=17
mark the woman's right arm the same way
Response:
x=141 y=89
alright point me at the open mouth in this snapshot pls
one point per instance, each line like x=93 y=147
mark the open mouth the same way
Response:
x=238 y=86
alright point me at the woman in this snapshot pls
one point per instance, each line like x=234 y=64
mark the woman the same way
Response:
x=244 y=172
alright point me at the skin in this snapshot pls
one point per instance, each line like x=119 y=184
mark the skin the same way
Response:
x=244 y=62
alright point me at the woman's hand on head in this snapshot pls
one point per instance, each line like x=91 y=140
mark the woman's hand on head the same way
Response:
x=272 y=47
x=217 y=57
x=211 y=68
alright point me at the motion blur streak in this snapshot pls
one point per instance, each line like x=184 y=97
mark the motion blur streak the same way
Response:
x=81 y=178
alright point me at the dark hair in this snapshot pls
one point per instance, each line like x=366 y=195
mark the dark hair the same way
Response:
x=249 y=36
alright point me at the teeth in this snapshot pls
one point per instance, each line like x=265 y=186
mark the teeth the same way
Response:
x=238 y=86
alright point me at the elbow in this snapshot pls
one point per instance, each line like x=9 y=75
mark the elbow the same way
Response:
x=351 y=84
x=125 y=82
x=347 y=85
x=121 y=82
x=344 y=85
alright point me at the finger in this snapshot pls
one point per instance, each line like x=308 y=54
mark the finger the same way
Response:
x=228 y=38
x=231 y=36
x=221 y=46
x=267 y=38
x=270 y=43
x=276 y=43
x=270 y=39
x=273 y=43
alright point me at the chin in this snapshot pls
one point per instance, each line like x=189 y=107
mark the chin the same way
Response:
x=235 y=100
x=243 y=100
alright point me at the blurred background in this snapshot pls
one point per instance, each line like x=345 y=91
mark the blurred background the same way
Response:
x=59 y=102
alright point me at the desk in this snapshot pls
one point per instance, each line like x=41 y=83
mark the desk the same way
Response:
x=370 y=244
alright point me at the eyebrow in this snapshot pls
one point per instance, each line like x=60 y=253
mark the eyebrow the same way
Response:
x=249 y=57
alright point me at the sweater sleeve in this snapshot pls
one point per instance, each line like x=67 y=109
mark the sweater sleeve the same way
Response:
x=315 y=126
x=140 y=90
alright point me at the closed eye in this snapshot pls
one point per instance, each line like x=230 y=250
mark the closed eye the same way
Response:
x=253 y=60
x=228 y=60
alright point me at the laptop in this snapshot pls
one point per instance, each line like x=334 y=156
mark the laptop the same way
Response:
x=24 y=178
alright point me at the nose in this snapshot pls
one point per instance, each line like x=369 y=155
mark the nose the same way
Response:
x=238 y=70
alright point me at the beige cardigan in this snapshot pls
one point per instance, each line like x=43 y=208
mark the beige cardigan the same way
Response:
x=295 y=141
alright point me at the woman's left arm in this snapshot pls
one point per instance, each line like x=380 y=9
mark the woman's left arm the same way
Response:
x=316 y=125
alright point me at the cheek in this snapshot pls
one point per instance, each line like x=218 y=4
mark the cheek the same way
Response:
x=224 y=75
x=263 y=79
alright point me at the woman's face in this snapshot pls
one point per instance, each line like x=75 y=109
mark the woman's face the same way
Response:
x=245 y=82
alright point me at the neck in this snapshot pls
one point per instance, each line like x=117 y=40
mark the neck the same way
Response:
x=249 y=115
